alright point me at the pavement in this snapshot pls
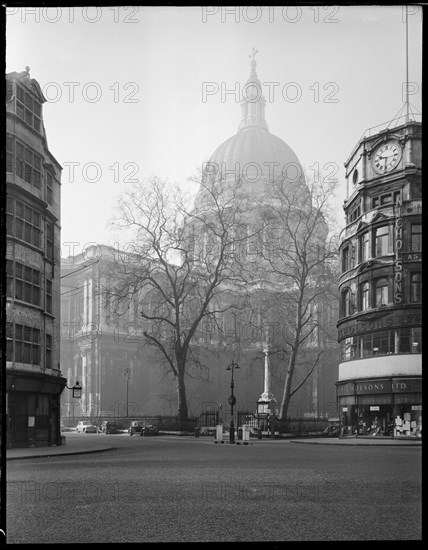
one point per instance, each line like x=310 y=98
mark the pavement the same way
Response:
x=76 y=444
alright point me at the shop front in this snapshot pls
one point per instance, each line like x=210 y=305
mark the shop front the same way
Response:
x=387 y=407
x=33 y=409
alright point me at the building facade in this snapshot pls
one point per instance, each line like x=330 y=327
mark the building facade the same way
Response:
x=379 y=388
x=33 y=378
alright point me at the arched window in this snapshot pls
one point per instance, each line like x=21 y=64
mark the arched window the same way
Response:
x=416 y=287
x=381 y=292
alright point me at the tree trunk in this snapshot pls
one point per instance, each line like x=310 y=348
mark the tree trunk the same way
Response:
x=181 y=397
x=287 y=387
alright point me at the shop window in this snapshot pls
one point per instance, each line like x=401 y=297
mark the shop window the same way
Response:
x=416 y=237
x=366 y=345
x=416 y=340
x=381 y=292
x=364 y=247
x=349 y=348
x=405 y=340
x=416 y=287
x=383 y=342
x=364 y=293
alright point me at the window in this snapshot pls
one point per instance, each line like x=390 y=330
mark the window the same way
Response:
x=386 y=199
x=416 y=237
x=28 y=165
x=10 y=153
x=27 y=108
x=27 y=224
x=49 y=296
x=49 y=188
x=346 y=264
x=364 y=289
x=416 y=287
x=355 y=177
x=48 y=351
x=375 y=202
x=354 y=214
x=27 y=284
x=364 y=247
x=346 y=303
x=383 y=342
x=381 y=292
x=27 y=345
x=49 y=241
x=382 y=241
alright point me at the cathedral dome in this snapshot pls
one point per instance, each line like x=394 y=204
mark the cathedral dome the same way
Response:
x=253 y=155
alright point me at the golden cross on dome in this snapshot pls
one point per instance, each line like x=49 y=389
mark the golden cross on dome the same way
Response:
x=253 y=55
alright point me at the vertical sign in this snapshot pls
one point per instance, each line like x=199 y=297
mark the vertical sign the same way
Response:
x=398 y=264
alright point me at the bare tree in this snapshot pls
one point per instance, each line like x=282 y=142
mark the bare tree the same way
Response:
x=299 y=261
x=183 y=267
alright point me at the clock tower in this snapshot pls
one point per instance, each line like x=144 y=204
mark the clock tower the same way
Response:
x=379 y=327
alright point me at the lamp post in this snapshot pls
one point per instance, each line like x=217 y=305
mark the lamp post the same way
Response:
x=127 y=374
x=232 y=401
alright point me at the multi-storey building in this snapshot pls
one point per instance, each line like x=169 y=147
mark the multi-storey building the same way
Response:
x=33 y=377
x=379 y=385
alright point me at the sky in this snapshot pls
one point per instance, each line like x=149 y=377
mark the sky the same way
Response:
x=139 y=91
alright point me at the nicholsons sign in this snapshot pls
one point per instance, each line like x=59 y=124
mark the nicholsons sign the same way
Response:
x=400 y=385
x=398 y=264
x=368 y=386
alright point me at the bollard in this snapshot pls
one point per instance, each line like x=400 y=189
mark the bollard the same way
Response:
x=197 y=431
x=259 y=433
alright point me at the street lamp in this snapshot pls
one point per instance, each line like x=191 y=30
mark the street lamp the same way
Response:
x=77 y=390
x=232 y=401
x=127 y=374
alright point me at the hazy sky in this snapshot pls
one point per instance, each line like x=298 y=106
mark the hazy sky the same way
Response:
x=125 y=88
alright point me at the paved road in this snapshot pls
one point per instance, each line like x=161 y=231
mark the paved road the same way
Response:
x=186 y=490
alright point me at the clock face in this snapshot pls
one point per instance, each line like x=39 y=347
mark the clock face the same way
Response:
x=386 y=157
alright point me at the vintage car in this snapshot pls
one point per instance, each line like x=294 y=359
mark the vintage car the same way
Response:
x=333 y=428
x=135 y=427
x=109 y=427
x=149 y=429
x=91 y=429
x=82 y=425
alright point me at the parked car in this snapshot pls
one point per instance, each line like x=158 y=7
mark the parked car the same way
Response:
x=135 y=427
x=333 y=428
x=149 y=429
x=91 y=429
x=82 y=425
x=108 y=427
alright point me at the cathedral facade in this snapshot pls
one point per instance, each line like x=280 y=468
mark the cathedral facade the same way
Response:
x=105 y=344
